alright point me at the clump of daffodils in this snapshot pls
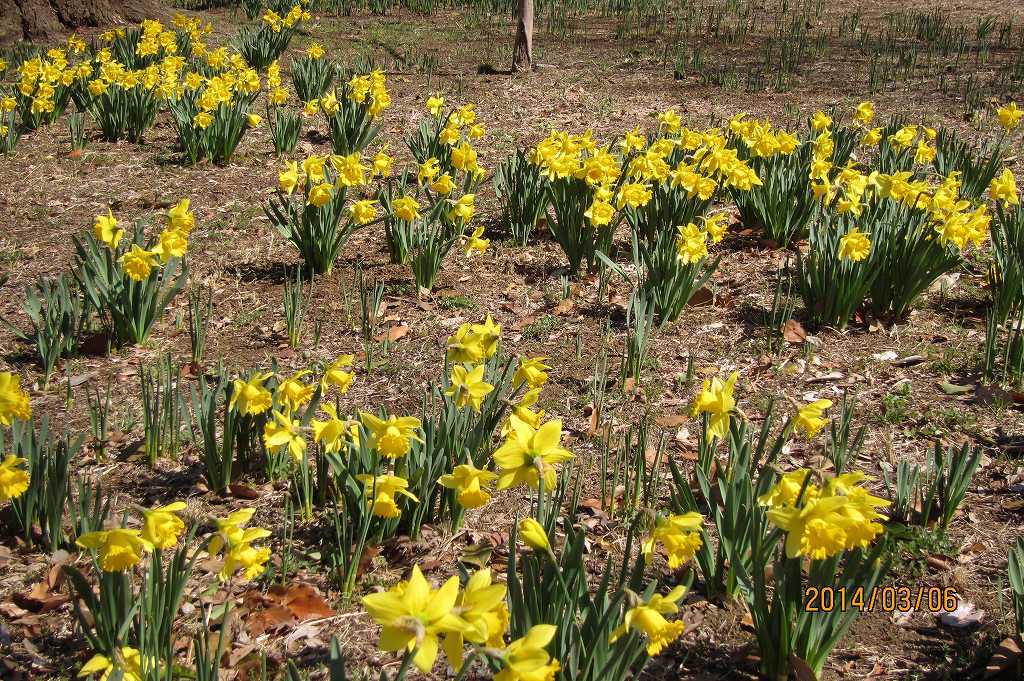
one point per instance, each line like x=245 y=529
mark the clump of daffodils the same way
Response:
x=421 y=620
x=823 y=520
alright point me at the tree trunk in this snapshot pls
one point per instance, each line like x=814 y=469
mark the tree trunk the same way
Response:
x=39 y=19
x=522 y=53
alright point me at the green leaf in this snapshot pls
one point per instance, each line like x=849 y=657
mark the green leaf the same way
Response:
x=953 y=389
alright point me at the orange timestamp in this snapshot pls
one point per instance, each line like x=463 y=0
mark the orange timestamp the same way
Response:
x=881 y=598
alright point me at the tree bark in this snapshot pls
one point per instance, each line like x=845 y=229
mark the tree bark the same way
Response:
x=522 y=52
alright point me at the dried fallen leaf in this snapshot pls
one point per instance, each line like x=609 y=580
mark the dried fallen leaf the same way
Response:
x=393 y=334
x=1007 y=661
x=305 y=602
x=793 y=332
x=564 y=307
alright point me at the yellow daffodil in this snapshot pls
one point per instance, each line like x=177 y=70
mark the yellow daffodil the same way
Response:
x=487 y=335
x=476 y=242
x=865 y=113
x=127 y=661
x=470 y=482
x=648 y=618
x=434 y=105
x=339 y=373
x=821 y=121
x=14 y=402
x=293 y=393
x=406 y=208
x=288 y=178
x=363 y=211
x=283 y=431
x=468 y=387
x=529 y=453
x=716 y=399
x=161 y=526
x=329 y=434
x=534 y=534
x=138 y=263
x=381 y=490
x=526 y=660
x=320 y=194
x=482 y=606
x=531 y=371
x=105 y=229
x=809 y=420
x=1009 y=116
x=836 y=517
x=14 y=478
x=465 y=346
x=250 y=398
x=391 y=438
x=172 y=244
x=413 y=615
x=235 y=543
x=854 y=246
x=680 y=535
x=119 y=549
x=1004 y=188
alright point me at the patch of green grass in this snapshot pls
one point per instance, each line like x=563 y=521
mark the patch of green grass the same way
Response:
x=542 y=327
x=457 y=303
x=896 y=405
x=910 y=548
x=249 y=317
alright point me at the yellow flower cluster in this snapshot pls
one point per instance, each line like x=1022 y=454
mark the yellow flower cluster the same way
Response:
x=760 y=139
x=415 y=616
x=368 y=90
x=121 y=548
x=320 y=177
x=823 y=520
x=139 y=263
x=234 y=543
x=276 y=23
x=691 y=161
